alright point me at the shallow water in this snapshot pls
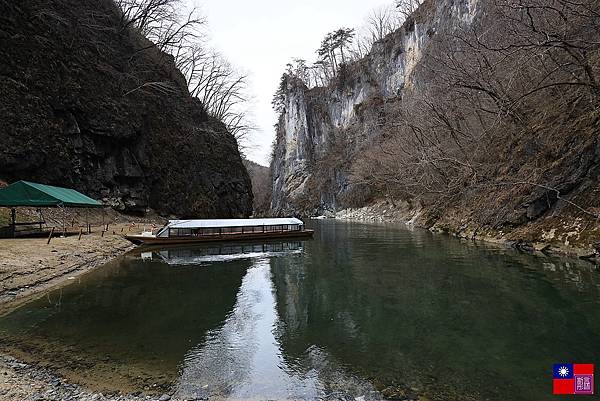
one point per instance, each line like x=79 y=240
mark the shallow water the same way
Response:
x=373 y=311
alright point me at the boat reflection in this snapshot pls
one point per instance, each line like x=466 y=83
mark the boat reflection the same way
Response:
x=207 y=254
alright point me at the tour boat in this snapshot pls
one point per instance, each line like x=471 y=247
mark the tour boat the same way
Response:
x=193 y=231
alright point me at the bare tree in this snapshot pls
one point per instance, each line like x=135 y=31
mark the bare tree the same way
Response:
x=161 y=22
x=220 y=87
x=210 y=78
x=492 y=87
x=380 y=22
x=407 y=7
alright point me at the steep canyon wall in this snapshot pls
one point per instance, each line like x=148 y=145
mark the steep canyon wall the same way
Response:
x=87 y=104
x=476 y=116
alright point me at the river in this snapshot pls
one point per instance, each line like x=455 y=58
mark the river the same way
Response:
x=362 y=311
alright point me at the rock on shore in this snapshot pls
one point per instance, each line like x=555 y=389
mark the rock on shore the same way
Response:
x=24 y=382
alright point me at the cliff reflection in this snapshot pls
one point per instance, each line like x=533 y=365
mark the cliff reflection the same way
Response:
x=243 y=360
x=429 y=313
x=137 y=315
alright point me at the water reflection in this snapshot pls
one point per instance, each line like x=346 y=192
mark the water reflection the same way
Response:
x=243 y=359
x=128 y=324
x=362 y=312
x=428 y=314
x=223 y=252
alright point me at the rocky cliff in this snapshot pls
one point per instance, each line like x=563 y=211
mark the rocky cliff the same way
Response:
x=475 y=117
x=315 y=121
x=89 y=105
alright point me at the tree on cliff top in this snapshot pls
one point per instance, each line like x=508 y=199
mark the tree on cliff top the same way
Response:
x=161 y=22
x=381 y=22
x=345 y=45
x=335 y=48
x=210 y=78
x=407 y=7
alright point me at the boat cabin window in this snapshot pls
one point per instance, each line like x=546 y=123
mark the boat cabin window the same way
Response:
x=209 y=231
x=180 y=232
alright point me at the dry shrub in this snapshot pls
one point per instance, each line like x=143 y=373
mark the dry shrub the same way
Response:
x=509 y=105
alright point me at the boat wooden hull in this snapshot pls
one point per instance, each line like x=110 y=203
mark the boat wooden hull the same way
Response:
x=144 y=240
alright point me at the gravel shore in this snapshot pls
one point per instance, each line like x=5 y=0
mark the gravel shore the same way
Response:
x=23 y=382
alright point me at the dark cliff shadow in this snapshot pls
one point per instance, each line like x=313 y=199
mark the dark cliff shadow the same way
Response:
x=138 y=315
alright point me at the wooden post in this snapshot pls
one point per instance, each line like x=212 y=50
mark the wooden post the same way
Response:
x=64 y=220
x=13 y=215
x=80 y=233
x=50 y=236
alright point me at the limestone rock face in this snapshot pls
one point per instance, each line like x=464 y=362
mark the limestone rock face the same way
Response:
x=460 y=122
x=89 y=105
x=312 y=120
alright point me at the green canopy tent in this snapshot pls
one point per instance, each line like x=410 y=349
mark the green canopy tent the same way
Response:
x=30 y=194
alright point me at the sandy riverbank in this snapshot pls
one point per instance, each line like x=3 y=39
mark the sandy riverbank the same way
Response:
x=30 y=266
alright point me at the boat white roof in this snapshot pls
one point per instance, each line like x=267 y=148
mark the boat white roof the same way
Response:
x=216 y=223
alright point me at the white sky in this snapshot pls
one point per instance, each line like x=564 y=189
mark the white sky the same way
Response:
x=262 y=36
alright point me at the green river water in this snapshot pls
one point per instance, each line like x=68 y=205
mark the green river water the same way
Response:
x=362 y=311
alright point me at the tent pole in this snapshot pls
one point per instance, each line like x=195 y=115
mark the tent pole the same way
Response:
x=13 y=215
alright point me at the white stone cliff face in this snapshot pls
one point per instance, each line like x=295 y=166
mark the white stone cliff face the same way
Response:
x=312 y=117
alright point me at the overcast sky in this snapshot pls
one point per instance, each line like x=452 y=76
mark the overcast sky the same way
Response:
x=262 y=36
